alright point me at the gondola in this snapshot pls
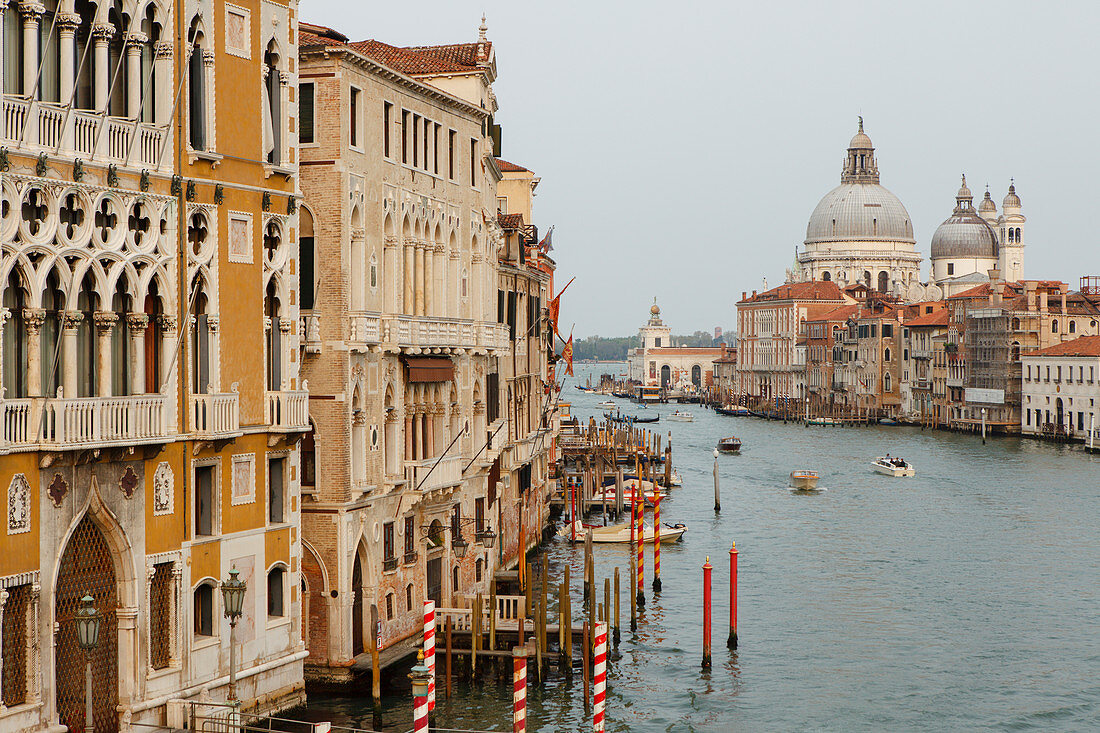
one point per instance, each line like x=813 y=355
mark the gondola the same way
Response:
x=735 y=410
x=631 y=419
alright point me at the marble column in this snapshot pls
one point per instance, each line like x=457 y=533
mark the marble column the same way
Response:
x=70 y=330
x=429 y=284
x=67 y=23
x=162 y=82
x=136 y=324
x=134 y=43
x=33 y=318
x=104 y=324
x=102 y=33
x=32 y=14
x=420 y=279
x=408 y=305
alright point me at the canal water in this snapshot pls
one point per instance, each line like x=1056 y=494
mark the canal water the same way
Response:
x=964 y=598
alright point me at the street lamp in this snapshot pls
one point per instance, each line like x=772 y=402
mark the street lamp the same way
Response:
x=88 y=622
x=233 y=595
x=486 y=536
x=459 y=545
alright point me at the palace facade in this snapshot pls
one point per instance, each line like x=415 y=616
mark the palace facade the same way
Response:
x=152 y=406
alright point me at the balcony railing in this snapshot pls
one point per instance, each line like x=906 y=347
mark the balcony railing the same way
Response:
x=419 y=331
x=61 y=423
x=81 y=133
x=216 y=415
x=420 y=474
x=287 y=410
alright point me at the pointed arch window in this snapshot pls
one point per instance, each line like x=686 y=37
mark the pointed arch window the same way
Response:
x=200 y=341
x=154 y=333
x=273 y=121
x=15 y=340
x=120 y=342
x=196 y=89
x=53 y=302
x=274 y=339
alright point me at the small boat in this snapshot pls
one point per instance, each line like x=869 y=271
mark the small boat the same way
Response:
x=674 y=480
x=621 y=532
x=803 y=479
x=586 y=389
x=887 y=421
x=606 y=405
x=681 y=416
x=649 y=496
x=822 y=421
x=631 y=419
x=893 y=467
x=733 y=410
x=729 y=445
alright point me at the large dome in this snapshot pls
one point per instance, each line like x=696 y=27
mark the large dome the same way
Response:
x=859 y=212
x=964 y=234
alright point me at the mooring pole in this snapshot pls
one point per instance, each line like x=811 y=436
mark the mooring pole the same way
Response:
x=616 y=634
x=656 y=539
x=731 y=642
x=706 y=614
x=717 y=497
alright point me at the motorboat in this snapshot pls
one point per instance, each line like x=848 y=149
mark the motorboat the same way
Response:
x=893 y=466
x=681 y=416
x=607 y=405
x=733 y=410
x=586 y=389
x=620 y=533
x=803 y=479
x=731 y=444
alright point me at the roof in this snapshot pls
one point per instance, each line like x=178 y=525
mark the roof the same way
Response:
x=507 y=167
x=983 y=291
x=843 y=313
x=811 y=290
x=942 y=317
x=411 y=60
x=510 y=221
x=1081 y=346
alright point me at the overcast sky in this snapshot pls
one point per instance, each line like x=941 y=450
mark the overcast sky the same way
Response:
x=683 y=146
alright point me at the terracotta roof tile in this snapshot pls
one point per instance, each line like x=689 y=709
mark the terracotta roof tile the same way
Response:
x=1082 y=346
x=812 y=290
x=507 y=167
x=510 y=221
x=941 y=317
x=418 y=60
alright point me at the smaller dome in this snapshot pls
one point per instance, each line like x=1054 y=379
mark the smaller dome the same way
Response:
x=860 y=141
x=964 y=192
x=1011 y=199
x=964 y=235
x=987 y=204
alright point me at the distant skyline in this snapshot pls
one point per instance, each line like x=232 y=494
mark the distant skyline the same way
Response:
x=682 y=148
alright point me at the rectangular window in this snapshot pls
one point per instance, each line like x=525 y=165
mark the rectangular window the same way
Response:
x=204 y=500
x=473 y=162
x=500 y=306
x=204 y=610
x=276 y=490
x=353 y=118
x=1080 y=420
x=404 y=136
x=388 y=548
x=16 y=631
x=479 y=515
x=492 y=397
x=1059 y=377
x=410 y=538
x=416 y=140
x=887 y=330
x=275 y=592
x=1027 y=414
x=160 y=616
x=502 y=204
x=435 y=148
x=387 y=120
x=456 y=522
x=451 y=154
x=305 y=113
x=950 y=268
x=427 y=138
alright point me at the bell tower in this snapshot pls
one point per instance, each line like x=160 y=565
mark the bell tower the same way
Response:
x=1010 y=226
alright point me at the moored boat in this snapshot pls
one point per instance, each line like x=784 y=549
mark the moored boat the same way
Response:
x=822 y=421
x=608 y=404
x=733 y=410
x=893 y=466
x=803 y=479
x=621 y=532
x=681 y=416
x=729 y=445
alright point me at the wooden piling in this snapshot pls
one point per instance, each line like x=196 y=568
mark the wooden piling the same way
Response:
x=447 y=639
x=475 y=641
x=633 y=599
x=706 y=614
x=616 y=634
x=527 y=590
x=585 y=660
x=568 y=630
x=607 y=601
x=493 y=616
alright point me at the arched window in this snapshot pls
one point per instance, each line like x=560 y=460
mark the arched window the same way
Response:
x=883 y=281
x=389 y=606
x=409 y=597
x=204 y=610
x=867 y=278
x=272 y=131
x=309 y=459
x=146 y=78
x=307 y=258
x=465 y=288
x=697 y=375
x=15 y=339
x=53 y=301
x=373 y=271
x=200 y=341
x=274 y=370
x=477 y=570
x=826 y=276
x=1073 y=326
x=154 y=333
x=886 y=355
x=1015 y=324
x=196 y=89
x=1054 y=326
x=886 y=381
x=275 y=581
x=120 y=342
x=454 y=579
x=435 y=533
x=1016 y=352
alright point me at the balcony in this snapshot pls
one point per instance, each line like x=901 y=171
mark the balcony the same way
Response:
x=412 y=332
x=447 y=473
x=216 y=416
x=287 y=411
x=83 y=422
x=81 y=133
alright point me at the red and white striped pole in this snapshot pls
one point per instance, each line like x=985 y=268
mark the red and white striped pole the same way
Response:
x=641 y=547
x=656 y=539
x=599 y=679
x=519 y=689
x=429 y=649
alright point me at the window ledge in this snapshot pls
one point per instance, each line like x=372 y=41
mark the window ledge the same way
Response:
x=172 y=668
x=214 y=159
x=278 y=621
x=204 y=642
x=272 y=169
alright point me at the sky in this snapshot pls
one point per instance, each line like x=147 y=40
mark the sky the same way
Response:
x=683 y=146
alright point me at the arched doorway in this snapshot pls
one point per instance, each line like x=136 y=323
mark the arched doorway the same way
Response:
x=697 y=375
x=666 y=375
x=1059 y=415
x=87 y=568
x=357 y=606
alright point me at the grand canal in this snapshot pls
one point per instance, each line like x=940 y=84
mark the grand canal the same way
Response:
x=964 y=598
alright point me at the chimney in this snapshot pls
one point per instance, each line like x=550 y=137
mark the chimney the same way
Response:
x=754 y=293
x=1029 y=287
x=1043 y=302
x=1062 y=288
x=743 y=295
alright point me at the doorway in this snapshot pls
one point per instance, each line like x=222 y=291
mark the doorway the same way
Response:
x=435 y=581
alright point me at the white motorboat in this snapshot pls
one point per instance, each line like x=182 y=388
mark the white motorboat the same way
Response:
x=893 y=466
x=804 y=479
x=681 y=416
x=620 y=533
x=608 y=404
x=675 y=479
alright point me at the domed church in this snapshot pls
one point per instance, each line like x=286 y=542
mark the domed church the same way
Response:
x=970 y=243
x=860 y=232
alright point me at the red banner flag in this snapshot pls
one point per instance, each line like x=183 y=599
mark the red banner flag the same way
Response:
x=555 y=305
x=567 y=354
x=544 y=245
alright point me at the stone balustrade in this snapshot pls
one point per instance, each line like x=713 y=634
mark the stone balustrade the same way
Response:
x=287 y=410
x=37 y=423
x=216 y=415
x=373 y=329
x=420 y=474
